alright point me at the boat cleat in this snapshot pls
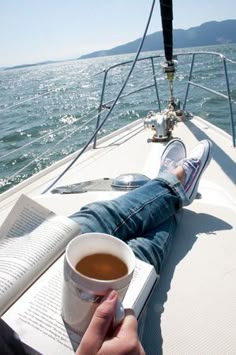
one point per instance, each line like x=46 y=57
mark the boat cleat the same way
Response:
x=162 y=123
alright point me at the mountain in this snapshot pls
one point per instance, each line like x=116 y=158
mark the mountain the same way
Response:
x=29 y=65
x=209 y=33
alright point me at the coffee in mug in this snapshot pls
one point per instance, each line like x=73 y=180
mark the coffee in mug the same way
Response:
x=102 y=266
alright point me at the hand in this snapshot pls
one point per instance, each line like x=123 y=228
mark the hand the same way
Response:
x=121 y=341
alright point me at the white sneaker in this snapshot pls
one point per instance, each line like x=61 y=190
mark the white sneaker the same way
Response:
x=194 y=166
x=174 y=151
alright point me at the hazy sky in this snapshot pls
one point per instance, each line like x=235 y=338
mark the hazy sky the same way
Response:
x=37 y=30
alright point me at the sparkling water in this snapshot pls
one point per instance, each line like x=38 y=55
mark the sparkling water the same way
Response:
x=55 y=105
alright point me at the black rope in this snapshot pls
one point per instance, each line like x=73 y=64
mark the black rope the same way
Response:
x=167 y=18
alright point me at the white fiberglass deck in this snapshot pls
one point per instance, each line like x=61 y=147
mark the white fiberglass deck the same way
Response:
x=193 y=308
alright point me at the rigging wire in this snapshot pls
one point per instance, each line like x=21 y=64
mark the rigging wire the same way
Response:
x=49 y=91
x=49 y=133
x=31 y=99
x=57 y=129
x=48 y=150
x=71 y=133
x=231 y=61
x=113 y=105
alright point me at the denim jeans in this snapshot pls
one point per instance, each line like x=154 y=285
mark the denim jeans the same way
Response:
x=145 y=218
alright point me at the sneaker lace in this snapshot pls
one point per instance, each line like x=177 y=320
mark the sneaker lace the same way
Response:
x=190 y=167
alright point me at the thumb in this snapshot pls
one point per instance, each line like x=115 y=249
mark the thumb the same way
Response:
x=99 y=325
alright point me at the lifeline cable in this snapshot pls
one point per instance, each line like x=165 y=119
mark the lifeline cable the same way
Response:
x=113 y=105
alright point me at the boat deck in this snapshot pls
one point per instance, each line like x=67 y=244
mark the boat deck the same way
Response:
x=192 y=310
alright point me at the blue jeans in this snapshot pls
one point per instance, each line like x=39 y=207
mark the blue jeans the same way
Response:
x=145 y=218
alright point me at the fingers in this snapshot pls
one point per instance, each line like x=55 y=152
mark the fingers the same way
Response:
x=128 y=334
x=125 y=339
x=99 y=325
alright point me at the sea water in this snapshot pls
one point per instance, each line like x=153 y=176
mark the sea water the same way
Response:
x=55 y=105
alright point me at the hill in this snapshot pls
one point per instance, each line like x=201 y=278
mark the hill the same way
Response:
x=209 y=33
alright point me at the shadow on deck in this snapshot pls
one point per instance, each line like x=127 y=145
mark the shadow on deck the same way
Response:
x=151 y=327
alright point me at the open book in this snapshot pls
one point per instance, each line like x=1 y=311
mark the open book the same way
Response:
x=32 y=243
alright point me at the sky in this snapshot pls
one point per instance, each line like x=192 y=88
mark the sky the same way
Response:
x=36 y=30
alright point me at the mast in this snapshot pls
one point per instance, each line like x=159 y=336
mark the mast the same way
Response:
x=167 y=18
x=166 y=7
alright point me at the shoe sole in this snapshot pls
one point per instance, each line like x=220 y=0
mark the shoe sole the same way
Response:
x=207 y=159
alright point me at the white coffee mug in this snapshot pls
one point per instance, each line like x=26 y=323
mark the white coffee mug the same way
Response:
x=81 y=294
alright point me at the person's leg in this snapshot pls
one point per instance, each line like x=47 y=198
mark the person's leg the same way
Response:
x=134 y=213
x=149 y=211
x=141 y=210
x=154 y=246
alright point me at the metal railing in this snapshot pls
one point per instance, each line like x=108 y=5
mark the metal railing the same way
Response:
x=145 y=86
x=106 y=72
x=189 y=83
x=227 y=97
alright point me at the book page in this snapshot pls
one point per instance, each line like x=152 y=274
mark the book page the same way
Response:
x=32 y=237
x=24 y=217
x=36 y=316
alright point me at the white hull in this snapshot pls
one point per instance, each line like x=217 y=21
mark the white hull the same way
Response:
x=192 y=310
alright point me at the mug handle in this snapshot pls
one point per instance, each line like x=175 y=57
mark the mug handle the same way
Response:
x=120 y=314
